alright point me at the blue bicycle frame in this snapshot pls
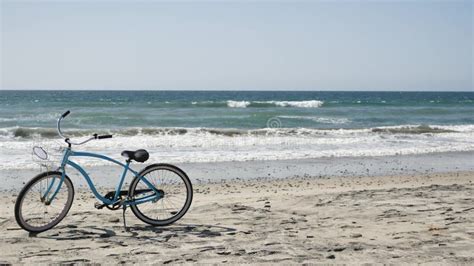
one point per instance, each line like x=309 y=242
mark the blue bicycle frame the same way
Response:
x=65 y=161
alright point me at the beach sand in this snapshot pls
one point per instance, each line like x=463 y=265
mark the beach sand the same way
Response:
x=416 y=218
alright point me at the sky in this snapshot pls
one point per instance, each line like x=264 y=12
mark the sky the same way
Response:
x=237 y=45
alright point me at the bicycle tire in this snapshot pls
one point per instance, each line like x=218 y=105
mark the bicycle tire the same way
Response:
x=137 y=209
x=19 y=204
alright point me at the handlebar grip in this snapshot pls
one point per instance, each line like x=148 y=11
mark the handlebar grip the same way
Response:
x=104 y=137
x=65 y=114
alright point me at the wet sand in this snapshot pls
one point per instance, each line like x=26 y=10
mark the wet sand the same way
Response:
x=419 y=164
x=416 y=218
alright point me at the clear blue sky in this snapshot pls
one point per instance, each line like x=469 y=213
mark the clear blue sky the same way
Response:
x=356 y=45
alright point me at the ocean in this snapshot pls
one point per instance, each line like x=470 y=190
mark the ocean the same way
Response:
x=213 y=126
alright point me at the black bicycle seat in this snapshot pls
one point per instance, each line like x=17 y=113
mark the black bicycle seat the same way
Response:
x=138 y=155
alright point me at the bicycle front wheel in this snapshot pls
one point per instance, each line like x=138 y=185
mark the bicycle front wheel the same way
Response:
x=34 y=211
x=177 y=194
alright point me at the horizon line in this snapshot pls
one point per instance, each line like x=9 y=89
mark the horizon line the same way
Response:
x=254 y=90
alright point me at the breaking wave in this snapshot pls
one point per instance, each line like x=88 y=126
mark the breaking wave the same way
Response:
x=51 y=133
x=318 y=119
x=238 y=104
x=298 y=104
x=177 y=145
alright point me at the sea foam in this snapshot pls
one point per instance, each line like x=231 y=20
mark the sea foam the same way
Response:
x=176 y=145
x=299 y=104
x=318 y=119
x=238 y=104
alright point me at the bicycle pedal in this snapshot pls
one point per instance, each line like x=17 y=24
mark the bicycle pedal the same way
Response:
x=99 y=205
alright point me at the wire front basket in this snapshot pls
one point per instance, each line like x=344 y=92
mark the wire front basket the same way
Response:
x=47 y=154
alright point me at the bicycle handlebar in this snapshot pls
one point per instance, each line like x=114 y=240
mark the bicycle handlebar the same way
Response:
x=68 y=140
x=104 y=137
x=58 y=125
x=65 y=114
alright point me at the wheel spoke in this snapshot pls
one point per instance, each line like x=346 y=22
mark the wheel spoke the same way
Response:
x=175 y=202
x=34 y=214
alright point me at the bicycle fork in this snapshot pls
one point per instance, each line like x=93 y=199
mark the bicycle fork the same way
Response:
x=44 y=198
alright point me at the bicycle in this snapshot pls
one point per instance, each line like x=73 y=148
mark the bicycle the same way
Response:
x=159 y=194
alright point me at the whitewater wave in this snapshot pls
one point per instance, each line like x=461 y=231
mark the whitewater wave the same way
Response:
x=238 y=104
x=318 y=119
x=176 y=145
x=18 y=133
x=423 y=129
x=299 y=104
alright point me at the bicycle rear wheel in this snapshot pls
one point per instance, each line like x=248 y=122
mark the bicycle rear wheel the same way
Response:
x=177 y=198
x=33 y=212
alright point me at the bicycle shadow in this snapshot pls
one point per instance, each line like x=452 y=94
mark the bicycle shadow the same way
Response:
x=139 y=232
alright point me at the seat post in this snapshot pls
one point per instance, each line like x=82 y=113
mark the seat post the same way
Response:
x=124 y=206
x=119 y=186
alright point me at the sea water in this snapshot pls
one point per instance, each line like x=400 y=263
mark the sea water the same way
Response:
x=213 y=126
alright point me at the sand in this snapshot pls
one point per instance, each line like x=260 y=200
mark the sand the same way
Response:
x=421 y=218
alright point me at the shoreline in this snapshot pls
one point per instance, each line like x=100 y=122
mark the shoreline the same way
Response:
x=211 y=172
x=420 y=218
